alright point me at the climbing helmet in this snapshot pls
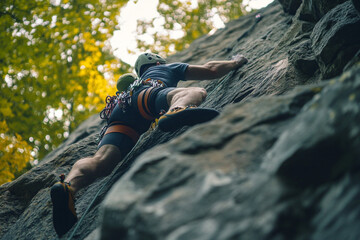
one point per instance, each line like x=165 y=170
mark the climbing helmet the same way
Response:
x=147 y=58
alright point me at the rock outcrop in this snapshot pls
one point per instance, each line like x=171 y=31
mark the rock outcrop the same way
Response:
x=280 y=162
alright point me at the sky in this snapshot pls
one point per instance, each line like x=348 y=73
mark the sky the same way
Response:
x=125 y=38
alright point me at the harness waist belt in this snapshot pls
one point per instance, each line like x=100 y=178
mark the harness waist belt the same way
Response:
x=128 y=131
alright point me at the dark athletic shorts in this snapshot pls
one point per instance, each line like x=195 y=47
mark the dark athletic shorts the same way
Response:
x=160 y=100
x=120 y=140
x=157 y=103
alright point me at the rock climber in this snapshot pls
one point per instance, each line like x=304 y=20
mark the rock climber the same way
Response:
x=140 y=100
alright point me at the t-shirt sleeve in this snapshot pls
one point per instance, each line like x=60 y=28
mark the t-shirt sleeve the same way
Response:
x=179 y=70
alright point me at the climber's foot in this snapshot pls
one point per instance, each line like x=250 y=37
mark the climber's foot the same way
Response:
x=64 y=213
x=189 y=116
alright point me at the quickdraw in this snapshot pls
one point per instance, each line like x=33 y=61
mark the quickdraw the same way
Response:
x=109 y=107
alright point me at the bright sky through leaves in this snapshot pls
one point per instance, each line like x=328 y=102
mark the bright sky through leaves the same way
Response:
x=124 y=39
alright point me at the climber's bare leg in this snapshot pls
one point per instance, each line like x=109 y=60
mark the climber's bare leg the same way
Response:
x=86 y=170
x=182 y=97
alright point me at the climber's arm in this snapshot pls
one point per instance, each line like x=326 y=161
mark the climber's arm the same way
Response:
x=213 y=69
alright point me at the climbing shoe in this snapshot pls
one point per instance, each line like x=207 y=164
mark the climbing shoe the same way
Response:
x=64 y=213
x=179 y=117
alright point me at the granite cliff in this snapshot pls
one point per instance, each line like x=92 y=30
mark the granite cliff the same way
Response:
x=282 y=161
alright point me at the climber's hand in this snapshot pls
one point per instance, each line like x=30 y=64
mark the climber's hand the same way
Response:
x=239 y=59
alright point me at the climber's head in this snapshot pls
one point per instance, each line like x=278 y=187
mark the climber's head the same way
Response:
x=124 y=81
x=145 y=60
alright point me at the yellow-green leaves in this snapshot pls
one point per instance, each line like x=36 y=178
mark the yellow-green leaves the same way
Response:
x=14 y=154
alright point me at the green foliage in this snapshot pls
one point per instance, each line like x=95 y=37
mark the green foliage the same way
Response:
x=53 y=63
x=15 y=154
x=194 y=20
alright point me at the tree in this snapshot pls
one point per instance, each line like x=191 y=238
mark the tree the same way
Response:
x=192 y=18
x=15 y=153
x=55 y=67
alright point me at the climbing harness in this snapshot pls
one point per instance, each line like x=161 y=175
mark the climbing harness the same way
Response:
x=123 y=100
x=142 y=104
x=120 y=127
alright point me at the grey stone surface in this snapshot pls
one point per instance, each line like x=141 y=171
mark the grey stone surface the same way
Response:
x=280 y=162
x=314 y=10
x=356 y=5
x=336 y=39
x=290 y=6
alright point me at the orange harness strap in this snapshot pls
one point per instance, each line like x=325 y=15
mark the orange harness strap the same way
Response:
x=142 y=102
x=128 y=131
x=147 y=94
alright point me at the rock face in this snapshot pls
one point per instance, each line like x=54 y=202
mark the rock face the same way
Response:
x=332 y=51
x=314 y=10
x=280 y=162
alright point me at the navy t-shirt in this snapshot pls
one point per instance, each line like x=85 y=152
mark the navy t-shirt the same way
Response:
x=169 y=74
